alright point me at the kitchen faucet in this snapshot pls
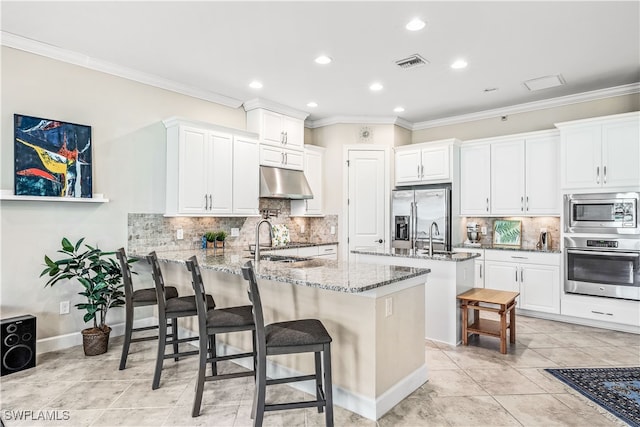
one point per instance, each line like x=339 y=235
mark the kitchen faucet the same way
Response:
x=431 y=237
x=257 y=250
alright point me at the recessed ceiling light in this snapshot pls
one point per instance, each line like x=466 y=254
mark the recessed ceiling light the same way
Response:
x=398 y=109
x=416 y=24
x=376 y=87
x=312 y=104
x=458 y=64
x=323 y=60
x=255 y=85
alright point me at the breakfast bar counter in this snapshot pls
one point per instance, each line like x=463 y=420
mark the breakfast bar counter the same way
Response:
x=373 y=312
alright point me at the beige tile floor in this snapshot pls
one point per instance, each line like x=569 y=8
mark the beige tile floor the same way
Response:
x=468 y=386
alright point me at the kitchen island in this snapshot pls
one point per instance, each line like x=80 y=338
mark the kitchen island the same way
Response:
x=451 y=274
x=374 y=313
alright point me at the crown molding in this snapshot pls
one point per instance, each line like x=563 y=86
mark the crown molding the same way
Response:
x=369 y=120
x=532 y=106
x=252 y=104
x=64 y=55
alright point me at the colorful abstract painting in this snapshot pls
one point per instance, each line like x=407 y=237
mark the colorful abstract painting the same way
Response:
x=52 y=158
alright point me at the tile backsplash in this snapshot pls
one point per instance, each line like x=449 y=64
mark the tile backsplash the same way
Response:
x=148 y=232
x=530 y=229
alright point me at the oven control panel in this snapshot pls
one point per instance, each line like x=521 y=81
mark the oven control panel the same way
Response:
x=602 y=243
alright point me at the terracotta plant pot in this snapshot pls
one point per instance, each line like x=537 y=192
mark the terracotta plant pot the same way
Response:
x=95 y=341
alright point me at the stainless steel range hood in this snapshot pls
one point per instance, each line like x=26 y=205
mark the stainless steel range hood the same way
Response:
x=279 y=183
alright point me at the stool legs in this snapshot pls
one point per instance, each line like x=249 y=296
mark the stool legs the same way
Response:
x=257 y=412
x=319 y=379
x=128 y=329
x=202 y=367
x=162 y=342
x=328 y=385
x=512 y=324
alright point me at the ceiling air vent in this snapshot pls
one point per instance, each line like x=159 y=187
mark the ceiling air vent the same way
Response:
x=412 y=61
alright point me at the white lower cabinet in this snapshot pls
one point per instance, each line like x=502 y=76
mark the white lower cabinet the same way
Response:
x=535 y=275
x=625 y=312
x=321 y=251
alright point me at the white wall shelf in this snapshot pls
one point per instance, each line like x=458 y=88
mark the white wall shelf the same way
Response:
x=8 y=195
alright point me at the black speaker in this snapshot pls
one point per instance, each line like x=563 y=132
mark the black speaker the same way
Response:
x=18 y=343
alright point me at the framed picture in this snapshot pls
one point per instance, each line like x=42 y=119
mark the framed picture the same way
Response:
x=507 y=232
x=51 y=158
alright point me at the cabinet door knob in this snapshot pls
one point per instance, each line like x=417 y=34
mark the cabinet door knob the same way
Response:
x=378 y=241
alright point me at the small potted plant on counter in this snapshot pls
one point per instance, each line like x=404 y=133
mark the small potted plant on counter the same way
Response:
x=215 y=239
x=101 y=278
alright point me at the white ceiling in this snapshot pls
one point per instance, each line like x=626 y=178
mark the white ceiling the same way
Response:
x=218 y=48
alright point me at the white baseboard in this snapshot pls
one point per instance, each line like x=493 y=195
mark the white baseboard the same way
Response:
x=365 y=406
x=580 y=321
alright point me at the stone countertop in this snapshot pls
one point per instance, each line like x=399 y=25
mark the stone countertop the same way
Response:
x=340 y=276
x=292 y=245
x=421 y=254
x=510 y=248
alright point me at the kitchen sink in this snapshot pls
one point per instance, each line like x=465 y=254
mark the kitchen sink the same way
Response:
x=281 y=258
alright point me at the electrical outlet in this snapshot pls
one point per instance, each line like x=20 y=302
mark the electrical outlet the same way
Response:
x=333 y=229
x=179 y=234
x=235 y=232
x=64 y=307
x=388 y=306
x=483 y=230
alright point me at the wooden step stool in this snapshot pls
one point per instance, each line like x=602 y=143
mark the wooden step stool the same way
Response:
x=483 y=299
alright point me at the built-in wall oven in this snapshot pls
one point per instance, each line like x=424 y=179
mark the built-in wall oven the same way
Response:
x=606 y=267
x=602 y=245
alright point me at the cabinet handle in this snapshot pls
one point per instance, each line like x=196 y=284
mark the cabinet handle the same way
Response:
x=519 y=257
x=600 y=312
x=421 y=171
x=521 y=203
x=418 y=171
x=286 y=158
x=597 y=174
x=286 y=138
x=487 y=204
x=205 y=203
x=604 y=174
x=516 y=275
x=282 y=160
x=282 y=137
x=522 y=275
x=527 y=203
x=481 y=271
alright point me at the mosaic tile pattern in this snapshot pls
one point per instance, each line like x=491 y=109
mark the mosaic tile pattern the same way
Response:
x=530 y=231
x=148 y=232
x=340 y=276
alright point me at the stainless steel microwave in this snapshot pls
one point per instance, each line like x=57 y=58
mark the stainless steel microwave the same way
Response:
x=607 y=213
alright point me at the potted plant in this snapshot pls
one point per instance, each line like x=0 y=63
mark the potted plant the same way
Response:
x=101 y=278
x=215 y=239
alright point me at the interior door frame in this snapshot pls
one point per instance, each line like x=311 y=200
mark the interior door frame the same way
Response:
x=345 y=251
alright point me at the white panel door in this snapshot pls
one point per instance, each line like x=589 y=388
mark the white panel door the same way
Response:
x=507 y=178
x=220 y=173
x=543 y=172
x=366 y=200
x=246 y=179
x=621 y=154
x=193 y=162
x=475 y=180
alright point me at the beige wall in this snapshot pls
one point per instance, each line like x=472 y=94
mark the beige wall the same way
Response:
x=530 y=121
x=129 y=159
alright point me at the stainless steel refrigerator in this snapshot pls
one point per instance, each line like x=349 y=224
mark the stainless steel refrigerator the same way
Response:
x=413 y=211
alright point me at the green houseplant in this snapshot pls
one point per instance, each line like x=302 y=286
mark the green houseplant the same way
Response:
x=101 y=279
x=216 y=238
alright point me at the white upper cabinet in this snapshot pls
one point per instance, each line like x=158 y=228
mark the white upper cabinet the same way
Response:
x=281 y=135
x=601 y=153
x=511 y=175
x=313 y=171
x=475 y=179
x=211 y=170
x=426 y=163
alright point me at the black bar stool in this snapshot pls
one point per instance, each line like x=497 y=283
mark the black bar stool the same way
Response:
x=170 y=308
x=210 y=323
x=133 y=299
x=296 y=336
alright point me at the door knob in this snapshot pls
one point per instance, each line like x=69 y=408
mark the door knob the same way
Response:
x=379 y=241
